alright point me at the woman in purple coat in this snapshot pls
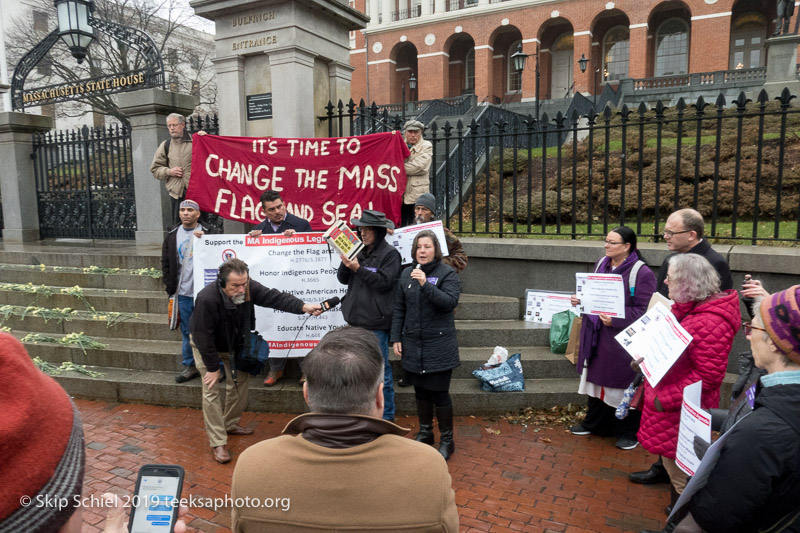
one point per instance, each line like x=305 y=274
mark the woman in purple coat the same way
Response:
x=602 y=362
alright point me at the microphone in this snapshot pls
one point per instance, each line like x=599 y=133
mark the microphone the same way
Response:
x=412 y=281
x=329 y=303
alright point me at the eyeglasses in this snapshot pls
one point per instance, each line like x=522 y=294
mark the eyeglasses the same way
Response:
x=613 y=242
x=748 y=328
x=669 y=234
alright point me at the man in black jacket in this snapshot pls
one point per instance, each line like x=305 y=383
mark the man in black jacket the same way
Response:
x=683 y=233
x=277 y=219
x=370 y=278
x=178 y=277
x=224 y=314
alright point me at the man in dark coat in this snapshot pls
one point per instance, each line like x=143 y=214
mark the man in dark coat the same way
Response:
x=224 y=314
x=278 y=221
x=370 y=278
x=178 y=276
x=683 y=233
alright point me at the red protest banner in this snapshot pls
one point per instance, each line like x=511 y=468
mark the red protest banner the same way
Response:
x=321 y=180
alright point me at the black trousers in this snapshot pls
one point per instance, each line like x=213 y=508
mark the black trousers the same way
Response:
x=600 y=420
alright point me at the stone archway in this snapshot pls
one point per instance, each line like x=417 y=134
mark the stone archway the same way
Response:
x=461 y=65
x=404 y=56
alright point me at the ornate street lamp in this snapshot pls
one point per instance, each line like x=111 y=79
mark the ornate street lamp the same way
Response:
x=412 y=84
x=582 y=63
x=73 y=25
x=518 y=59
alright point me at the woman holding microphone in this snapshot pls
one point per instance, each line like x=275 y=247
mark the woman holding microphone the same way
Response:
x=424 y=336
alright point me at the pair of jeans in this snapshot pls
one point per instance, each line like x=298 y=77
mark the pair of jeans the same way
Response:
x=388 y=380
x=185 y=308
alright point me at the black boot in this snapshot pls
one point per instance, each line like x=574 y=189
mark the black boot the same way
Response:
x=425 y=415
x=445 y=417
x=673 y=498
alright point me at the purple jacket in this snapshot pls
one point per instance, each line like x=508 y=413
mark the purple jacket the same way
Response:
x=609 y=363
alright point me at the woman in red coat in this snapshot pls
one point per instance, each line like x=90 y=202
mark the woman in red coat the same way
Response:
x=712 y=318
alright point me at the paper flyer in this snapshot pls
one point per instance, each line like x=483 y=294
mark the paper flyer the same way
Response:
x=694 y=422
x=657 y=337
x=600 y=294
x=540 y=306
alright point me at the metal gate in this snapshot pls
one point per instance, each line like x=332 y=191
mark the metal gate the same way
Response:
x=84 y=183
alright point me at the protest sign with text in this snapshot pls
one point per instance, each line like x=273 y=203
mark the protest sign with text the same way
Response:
x=600 y=294
x=540 y=306
x=321 y=180
x=695 y=422
x=298 y=264
x=403 y=238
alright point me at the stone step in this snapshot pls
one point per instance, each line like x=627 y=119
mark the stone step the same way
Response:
x=159 y=388
x=84 y=253
x=502 y=333
x=120 y=300
x=163 y=356
x=481 y=307
x=145 y=326
x=10 y=273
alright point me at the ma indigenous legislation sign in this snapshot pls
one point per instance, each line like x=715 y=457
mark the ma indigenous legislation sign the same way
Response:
x=321 y=180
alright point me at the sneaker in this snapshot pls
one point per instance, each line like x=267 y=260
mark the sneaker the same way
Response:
x=273 y=377
x=578 y=429
x=624 y=443
x=188 y=374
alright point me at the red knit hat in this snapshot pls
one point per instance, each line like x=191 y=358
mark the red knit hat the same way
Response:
x=41 y=446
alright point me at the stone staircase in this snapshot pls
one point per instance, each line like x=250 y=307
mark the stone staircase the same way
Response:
x=141 y=357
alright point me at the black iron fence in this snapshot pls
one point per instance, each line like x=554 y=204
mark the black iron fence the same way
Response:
x=84 y=183
x=580 y=174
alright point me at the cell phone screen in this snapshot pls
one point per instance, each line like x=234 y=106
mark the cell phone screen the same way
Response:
x=155 y=504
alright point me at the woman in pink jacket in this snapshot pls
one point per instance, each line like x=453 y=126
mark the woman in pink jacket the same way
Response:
x=712 y=318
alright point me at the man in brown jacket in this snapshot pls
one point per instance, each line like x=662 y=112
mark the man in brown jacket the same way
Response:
x=342 y=466
x=172 y=163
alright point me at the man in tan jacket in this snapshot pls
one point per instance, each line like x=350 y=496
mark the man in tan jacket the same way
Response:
x=418 y=165
x=172 y=163
x=341 y=466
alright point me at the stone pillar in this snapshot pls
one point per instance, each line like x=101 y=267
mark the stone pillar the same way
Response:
x=339 y=75
x=439 y=6
x=637 y=64
x=426 y=7
x=374 y=11
x=147 y=110
x=387 y=6
x=293 y=93
x=230 y=87
x=781 y=65
x=17 y=183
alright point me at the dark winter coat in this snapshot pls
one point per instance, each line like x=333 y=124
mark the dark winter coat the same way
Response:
x=370 y=289
x=423 y=319
x=300 y=225
x=609 y=364
x=712 y=324
x=170 y=263
x=703 y=249
x=756 y=480
x=217 y=325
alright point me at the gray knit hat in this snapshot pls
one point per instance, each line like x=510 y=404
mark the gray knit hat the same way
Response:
x=428 y=201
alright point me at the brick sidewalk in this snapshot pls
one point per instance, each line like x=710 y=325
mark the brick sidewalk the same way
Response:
x=506 y=477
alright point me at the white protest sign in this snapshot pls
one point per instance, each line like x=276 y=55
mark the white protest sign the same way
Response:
x=694 y=421
x=540 y=306
x=657 y=337
x=600 y=294
x=403 y=238
x=298 y=264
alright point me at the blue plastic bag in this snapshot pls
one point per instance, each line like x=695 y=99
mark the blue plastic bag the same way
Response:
x=505 y=377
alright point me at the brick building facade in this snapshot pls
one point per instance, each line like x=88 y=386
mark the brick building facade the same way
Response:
x=455 y=47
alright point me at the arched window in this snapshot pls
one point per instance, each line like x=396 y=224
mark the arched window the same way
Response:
x=672 y=48
x=469 y=71
x=748 y=34
x=616 y=47
x=514 y=77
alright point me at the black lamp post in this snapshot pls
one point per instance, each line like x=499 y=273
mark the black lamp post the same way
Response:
x=582 y=63
x=412 y=84
x=519 y=59
x=73 y=25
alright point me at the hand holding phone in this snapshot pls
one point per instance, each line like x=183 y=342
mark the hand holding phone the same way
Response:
x=155 y=499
